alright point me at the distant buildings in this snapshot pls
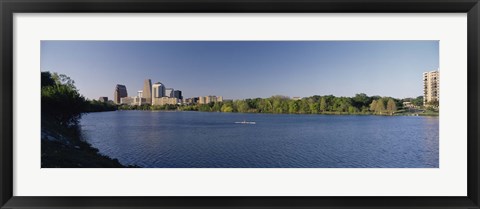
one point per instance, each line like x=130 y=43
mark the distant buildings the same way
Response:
x=127 y=100
x=409 y=105
x=431 y=87
x=208 y=99
x=133 y=100
x=147 y=91
x=169 y=92
x=140 y=101
x=103 y=99
x=120 y=92
x=165 y=100
x=157 y=94
x=193 y=100
x=202 y=100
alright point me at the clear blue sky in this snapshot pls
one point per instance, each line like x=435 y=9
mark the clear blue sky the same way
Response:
x=245 y=69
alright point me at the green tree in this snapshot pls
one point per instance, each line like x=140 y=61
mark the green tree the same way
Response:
x=227 y=107
x=361 y=100
x=314 y=107
x=60 y=100
x=391 y=106
x=278 y=103
x=352 y=109
x=330 y=101
x=252 y=104
x=293 y=106
x=323 y=104
x=304 y=106
x=217 y=107
x=98 y=106
x=204 y=108
x=265 y=106
x=380 y=106
x=62 y=79
x=241 y=105
x=418 y=101
x=373 y=105
x=46 y=79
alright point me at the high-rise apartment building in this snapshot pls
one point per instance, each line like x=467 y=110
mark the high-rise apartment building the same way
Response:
x=169 y=92
x=431 y=87
x=120 y=92
x=158 y=90
x=147 y=91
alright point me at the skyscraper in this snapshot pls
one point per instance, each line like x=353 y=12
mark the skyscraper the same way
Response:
x=147 y=91
x=177 y=94
x=431 y=87
x=158 y=90
x=120 y=92
x=169 y=92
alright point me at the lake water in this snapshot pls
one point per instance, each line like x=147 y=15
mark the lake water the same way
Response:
x=214 y=140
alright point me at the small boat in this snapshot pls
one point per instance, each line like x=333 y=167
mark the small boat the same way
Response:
x=246 y=122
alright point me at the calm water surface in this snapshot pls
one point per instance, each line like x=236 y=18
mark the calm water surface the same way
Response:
x=208 y=140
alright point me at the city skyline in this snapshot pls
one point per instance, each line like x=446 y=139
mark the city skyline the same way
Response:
x=246 y=69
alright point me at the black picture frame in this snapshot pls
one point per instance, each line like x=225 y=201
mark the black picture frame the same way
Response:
x=9 y=7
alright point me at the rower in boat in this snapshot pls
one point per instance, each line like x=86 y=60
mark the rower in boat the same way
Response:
x=246 y=122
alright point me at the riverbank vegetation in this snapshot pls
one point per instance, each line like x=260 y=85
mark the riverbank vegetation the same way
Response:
x=61 y=108
x=360 y=104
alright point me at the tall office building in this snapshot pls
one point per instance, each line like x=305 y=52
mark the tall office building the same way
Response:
x=158 y=90
x=169 y=92
x=120 y=92
x=177 y=94
x=431 y=87
x=147 y=91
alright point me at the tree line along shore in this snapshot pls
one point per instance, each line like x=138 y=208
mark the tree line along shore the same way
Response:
x=360 y=104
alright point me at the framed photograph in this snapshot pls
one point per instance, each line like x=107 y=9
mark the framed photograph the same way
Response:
x=239 y=104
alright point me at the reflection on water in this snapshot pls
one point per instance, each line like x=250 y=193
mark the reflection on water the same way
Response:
x=209 y=140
